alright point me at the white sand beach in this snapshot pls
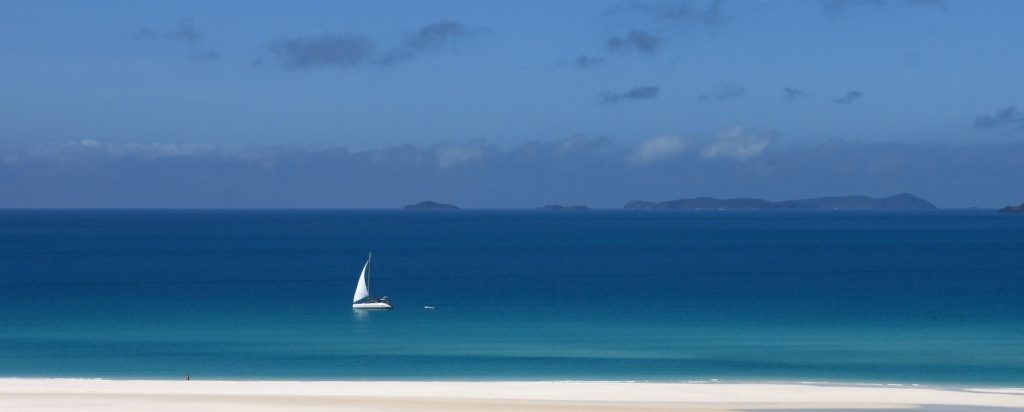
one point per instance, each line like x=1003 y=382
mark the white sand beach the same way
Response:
x=199 y=395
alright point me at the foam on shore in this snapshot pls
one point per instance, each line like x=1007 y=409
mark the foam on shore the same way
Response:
x=200 y=395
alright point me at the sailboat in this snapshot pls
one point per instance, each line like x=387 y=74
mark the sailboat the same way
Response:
x=361 y=299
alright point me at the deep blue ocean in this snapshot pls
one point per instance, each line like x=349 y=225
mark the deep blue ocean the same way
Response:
x=904 y=297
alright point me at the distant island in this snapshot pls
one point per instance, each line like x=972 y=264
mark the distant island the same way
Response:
x=428 y=205
x=904 y=201
x=560 y=207
x=1013 y=209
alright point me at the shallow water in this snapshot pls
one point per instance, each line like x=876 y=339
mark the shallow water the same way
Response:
x=929 y=297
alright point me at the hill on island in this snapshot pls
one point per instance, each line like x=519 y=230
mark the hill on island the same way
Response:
x=904 y=201
x=1013 y=209
x=429 y=205
x=562 y=207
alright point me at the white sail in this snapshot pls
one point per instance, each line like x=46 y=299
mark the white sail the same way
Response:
x=363 y=287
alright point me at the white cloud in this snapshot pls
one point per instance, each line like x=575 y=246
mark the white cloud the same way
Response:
x=157 y=150
x=657 y=149
x=737 y=143
x=145 y=150
x=579 y=143
x=452 y=154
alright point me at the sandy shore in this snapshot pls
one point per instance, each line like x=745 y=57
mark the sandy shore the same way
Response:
x=198 y=395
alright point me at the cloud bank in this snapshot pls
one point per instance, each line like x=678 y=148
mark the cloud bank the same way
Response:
x=732 y=162
x=738 y=143
x=658 y=149
x=732 y=143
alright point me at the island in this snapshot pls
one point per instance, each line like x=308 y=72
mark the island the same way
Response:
x=561 y=207
x=1013 y=209
x=429 y=205
x=904 y=201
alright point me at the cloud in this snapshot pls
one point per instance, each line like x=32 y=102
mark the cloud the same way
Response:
x=833 y=6
x=738 y=143
x=722 y=91
x=635 y=40
x=349 y=50
x=926 y=3
x=126 y=150
x=449 y=155
x=793 y=94
x=429 y=38
x=636 y=93
x=848 y=98
x=671 y=11
x=571 y=147
x=584 y=62
x=912 y=59
x=730 y=143
x=679 y=12
x=84 y=155
x=322 y=51
x=204 y=56
x=184 y=32
x=714 y=16
x=436 y=35
x=830 y=6
x=1008 y=116
x=657 y=149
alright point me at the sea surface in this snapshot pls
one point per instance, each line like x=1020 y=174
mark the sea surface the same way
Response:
x=896 y=297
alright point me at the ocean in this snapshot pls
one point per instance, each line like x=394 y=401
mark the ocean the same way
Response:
x=932 y=297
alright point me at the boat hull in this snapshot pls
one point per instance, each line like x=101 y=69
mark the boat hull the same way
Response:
x=371 y=305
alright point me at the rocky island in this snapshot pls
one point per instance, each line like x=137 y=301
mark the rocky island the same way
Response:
x=561 y=207
x=1013 y=209
x=429 y=205
x=904 y=201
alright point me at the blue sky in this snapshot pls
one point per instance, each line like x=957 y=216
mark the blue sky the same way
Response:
x=645 y=91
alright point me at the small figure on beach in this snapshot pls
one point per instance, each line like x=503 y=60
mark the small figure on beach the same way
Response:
x=188 y=376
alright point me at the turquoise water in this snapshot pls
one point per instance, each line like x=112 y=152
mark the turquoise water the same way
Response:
x=928 y=297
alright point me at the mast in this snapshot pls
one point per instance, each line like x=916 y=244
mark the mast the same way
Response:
x=368 y=258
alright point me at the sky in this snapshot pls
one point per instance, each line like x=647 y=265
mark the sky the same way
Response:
x=376 y=104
